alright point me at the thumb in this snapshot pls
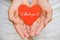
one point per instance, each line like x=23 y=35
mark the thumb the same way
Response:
x=16 y=14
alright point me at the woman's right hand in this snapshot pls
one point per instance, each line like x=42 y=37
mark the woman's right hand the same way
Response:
x=14 y=18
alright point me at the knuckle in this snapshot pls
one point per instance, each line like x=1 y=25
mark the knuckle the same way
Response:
x=49 y=19
x=11 y=19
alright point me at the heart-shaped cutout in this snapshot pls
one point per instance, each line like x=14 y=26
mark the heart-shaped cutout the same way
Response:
x=29 y=14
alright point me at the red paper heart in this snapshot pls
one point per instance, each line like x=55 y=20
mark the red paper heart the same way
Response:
x=29 y=14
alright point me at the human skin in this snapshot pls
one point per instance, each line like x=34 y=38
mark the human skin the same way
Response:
x=38 y=26
x=22 y=29
x=14 y=18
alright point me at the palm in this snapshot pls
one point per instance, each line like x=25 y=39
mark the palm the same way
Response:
x=46 y=15
x=17 y=21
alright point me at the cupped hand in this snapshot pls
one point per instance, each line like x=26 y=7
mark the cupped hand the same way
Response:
x=47 y=8
x=44 y=19
x=38 y=25
x=14 y=18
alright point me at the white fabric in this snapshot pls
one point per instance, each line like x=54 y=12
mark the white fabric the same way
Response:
x=50 y=32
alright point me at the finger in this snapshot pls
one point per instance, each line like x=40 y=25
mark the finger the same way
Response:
x=19 y=30
x=34 y=31
x=41 y=18
x=28 y=29
x=16 y=14
x=33 y=26
x=24 y=28
x=10 y=13
x=40 y=28
x=25 y=31
x=17 y=18
x=49 y=16
x=36 y=27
